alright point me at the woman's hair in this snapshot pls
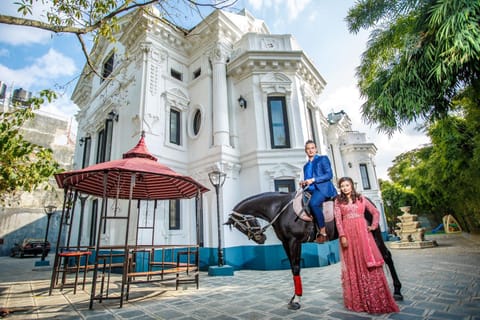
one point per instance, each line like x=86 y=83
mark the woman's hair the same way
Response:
x=342 y=198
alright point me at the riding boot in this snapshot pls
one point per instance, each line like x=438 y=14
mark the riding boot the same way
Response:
x=321 y=238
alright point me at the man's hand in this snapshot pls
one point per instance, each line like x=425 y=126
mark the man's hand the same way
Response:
x=307 y=182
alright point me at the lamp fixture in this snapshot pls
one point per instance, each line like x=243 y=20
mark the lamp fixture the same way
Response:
x=217 y=179
x=113 y=115
x=83 y=140
x=49 y=210
x=349 y=164
x=242 y=102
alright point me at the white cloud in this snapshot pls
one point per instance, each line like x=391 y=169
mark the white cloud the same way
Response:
x=43 y=72
x=18 y=35
x=390 y=148
x=347 y=98
x=294 y=7
x=63 y=107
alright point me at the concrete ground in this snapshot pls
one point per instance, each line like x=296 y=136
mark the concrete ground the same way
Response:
x=438 y=283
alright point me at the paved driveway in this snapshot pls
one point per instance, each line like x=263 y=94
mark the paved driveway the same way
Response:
x=438 y=283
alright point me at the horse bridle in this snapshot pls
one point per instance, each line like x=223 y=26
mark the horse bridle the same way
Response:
x=243 y=222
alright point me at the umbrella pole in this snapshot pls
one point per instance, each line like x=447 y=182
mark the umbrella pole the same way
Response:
x=97 y=245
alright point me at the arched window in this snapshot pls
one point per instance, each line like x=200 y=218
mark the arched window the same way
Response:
x=107 y=66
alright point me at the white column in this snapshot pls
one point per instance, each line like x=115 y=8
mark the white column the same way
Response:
x=220 y=100
x=145 y=48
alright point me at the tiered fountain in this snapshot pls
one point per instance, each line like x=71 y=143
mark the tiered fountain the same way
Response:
x=412 y=236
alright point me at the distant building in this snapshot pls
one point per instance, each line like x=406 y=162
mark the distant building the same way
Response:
x=226 y=95
x=24 y=216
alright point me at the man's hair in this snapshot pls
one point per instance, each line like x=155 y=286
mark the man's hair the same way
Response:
x=310 y=141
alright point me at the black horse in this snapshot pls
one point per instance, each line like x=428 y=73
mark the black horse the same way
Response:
x=277 y=209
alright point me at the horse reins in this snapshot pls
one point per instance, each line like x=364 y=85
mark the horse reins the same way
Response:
x=243 y=222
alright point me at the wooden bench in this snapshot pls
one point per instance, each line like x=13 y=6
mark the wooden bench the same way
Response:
x=165 y=263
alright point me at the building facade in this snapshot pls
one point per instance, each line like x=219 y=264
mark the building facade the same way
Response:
x=226 y=95
x=23 y=214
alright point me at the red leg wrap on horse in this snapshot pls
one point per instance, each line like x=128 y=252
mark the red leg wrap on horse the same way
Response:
x=297 y=280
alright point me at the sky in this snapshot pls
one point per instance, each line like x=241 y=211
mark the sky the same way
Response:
x=34 y=59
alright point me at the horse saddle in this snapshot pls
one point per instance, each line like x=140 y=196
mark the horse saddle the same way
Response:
x=300 y=205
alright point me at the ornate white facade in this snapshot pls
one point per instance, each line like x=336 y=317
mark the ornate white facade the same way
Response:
x=225 y=95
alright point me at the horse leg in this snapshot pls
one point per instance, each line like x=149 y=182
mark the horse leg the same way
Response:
x=294 y=251
x=387 y=256
x=397 y=285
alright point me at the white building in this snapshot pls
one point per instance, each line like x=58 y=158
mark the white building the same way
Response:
x=226 y=95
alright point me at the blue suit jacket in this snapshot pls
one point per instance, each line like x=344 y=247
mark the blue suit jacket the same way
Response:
x=322 y=173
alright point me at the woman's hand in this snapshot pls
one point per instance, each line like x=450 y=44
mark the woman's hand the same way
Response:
x=344 y=242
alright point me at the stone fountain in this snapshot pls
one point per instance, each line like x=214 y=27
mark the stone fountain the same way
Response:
x=412 y=236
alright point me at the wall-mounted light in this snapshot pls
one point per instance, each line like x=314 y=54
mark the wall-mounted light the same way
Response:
x=113 y=115
x=349 y=164
x=83 y=140
x=242 y=102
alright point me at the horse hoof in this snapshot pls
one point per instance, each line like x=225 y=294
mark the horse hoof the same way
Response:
x=294 y=306
x=398 y=297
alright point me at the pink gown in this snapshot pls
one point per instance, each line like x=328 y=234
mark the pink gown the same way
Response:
x=365 y=287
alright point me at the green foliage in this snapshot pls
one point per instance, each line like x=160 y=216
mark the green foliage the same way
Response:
x=24 y=166
x=420 y=55
x=444 y=177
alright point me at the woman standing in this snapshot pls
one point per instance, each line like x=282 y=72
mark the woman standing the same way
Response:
x=365 y=288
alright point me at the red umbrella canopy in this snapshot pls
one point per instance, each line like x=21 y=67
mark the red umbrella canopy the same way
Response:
x=137 y=176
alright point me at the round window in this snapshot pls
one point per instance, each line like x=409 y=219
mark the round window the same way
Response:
x=197 y=122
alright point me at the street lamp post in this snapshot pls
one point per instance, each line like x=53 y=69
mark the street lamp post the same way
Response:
x=217 y=179
x=49 y=209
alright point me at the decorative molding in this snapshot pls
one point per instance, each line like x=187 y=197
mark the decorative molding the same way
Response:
x=230 y=168
x=270 y=43
x=219 y=53
x=284 y=170
x=177 y=98
x=276 y=83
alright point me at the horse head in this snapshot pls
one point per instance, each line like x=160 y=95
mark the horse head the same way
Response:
x=248 y=225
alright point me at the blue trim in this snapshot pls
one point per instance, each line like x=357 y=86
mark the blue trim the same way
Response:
x=254 y=257
x=271 y=257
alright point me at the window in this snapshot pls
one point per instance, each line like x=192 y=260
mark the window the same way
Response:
x=174 y=215
x=87 y=144
x=197 y=73
x=285 y=185
x=100 y=149
x=176 y=74
x=108 y=139
x=93 y=223
x=104 y=146
x=311 y=122
x=175 y=126
x=107 y=67
x=364 y=174
x=277 y=117
x=197 y=122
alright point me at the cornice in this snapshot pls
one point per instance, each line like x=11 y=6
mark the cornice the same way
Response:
x=253 y=62
x=360 y=147
x=217 y=27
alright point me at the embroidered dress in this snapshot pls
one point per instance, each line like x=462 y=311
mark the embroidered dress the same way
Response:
x=365 y=287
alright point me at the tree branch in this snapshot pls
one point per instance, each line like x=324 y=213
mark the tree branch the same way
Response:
x=44 y=25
